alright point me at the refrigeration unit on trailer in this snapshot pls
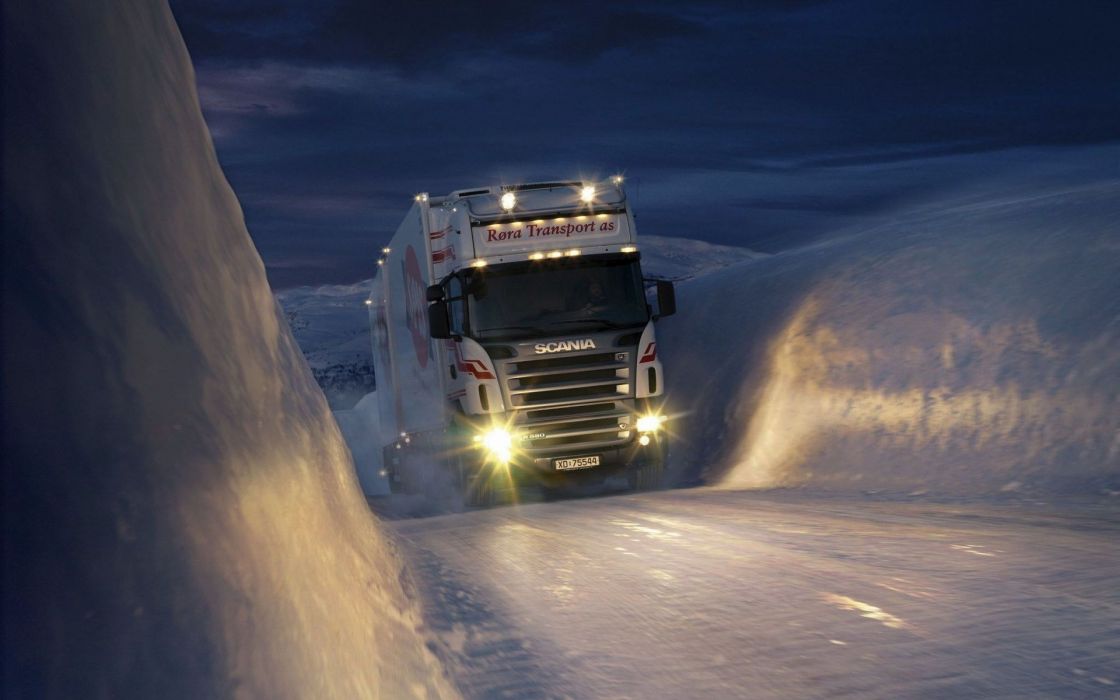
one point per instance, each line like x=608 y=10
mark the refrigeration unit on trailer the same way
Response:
x=513 y=340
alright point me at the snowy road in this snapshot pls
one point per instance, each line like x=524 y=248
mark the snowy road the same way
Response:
x=710 y=594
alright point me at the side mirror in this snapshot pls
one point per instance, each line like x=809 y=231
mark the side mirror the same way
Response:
x=435 y=293
x=439 y=324
x=666 y=299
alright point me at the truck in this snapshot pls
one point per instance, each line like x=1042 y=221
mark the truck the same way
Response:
x=514 y=342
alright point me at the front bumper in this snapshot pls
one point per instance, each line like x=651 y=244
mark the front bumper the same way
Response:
x=613 y=460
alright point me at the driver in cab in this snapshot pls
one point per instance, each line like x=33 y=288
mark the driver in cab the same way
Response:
x=594 y=299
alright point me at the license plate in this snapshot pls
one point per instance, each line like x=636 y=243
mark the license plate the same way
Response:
x=576 y=463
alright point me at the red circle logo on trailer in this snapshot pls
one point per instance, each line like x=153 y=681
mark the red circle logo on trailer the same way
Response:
x=416 y=306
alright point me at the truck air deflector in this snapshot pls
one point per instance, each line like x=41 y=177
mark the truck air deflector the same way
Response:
x=506 y=217
x=541 y=198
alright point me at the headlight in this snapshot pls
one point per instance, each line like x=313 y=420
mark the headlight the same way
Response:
x=498 y=443
x=649 y=424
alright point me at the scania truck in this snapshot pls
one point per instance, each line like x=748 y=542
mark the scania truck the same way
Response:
x=513 y=341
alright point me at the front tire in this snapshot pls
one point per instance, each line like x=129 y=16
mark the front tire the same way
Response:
x=650 y=475
x=478 y=491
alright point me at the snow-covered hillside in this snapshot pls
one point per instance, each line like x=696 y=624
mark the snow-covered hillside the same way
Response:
x=181 y=517
x=972 y=346
x=671 y=258
x=331 y=324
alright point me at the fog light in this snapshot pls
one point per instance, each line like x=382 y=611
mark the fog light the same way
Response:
x=643 y=440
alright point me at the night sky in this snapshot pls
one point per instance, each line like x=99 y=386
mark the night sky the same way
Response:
x=763 y=124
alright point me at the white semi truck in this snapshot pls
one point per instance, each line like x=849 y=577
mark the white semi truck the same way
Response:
x=513 y=341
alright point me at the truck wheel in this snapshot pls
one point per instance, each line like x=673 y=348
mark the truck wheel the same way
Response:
x=479 y=492
x=650 y=476
x=390 y=457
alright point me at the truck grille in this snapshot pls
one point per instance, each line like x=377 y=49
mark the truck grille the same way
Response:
x=572 y=402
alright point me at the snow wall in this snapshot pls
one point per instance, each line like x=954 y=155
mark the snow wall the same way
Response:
x=964 y=348
x=181 y=517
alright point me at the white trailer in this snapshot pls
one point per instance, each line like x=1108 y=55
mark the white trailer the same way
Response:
x=513 y=340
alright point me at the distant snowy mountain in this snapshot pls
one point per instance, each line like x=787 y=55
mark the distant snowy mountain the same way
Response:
x=331 y=325
x=332 y=328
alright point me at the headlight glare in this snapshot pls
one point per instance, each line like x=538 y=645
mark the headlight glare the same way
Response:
x=649 y=424
x=498 y=443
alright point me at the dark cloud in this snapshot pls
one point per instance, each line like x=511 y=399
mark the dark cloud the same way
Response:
x=802 y=116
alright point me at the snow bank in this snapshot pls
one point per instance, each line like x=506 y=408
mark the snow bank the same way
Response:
x=964 y=348
x=667 y=257
x=180 y=512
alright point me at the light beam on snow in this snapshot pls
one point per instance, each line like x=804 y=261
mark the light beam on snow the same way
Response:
x=925 y=363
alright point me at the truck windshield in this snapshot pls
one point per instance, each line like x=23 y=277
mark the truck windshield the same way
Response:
x=552 y=297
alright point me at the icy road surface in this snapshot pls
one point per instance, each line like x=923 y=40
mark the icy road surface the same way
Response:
x=714 y=594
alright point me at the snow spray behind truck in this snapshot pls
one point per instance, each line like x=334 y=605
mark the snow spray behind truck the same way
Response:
x=513 y=341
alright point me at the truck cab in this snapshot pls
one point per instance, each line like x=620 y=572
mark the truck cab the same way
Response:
x=538 y=315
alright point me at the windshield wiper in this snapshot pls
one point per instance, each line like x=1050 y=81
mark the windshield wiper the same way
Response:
x=606 y=323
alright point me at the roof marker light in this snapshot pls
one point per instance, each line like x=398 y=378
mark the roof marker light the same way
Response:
x=509 y=201
x=385 y=250
x=617 y=179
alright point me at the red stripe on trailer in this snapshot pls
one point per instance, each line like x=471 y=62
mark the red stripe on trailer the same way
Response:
x=443 y=254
